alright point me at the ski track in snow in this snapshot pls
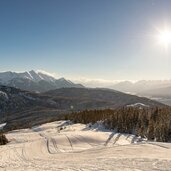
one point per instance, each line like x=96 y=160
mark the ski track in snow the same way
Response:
x=63 y=146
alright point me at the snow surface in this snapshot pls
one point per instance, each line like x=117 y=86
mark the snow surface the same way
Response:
x=137 y=104
x=64 y=146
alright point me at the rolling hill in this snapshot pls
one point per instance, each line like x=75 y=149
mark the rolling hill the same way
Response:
x=92 y=98
x=24 y=108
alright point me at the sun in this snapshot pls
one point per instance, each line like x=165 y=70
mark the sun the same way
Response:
x=164 y=37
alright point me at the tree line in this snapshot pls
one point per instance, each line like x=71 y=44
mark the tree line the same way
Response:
x=151 y=123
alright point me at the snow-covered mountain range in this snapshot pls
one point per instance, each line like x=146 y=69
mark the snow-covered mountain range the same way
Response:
x=34 y=81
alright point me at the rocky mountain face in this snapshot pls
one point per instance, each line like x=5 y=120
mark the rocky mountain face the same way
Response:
x=34 y=81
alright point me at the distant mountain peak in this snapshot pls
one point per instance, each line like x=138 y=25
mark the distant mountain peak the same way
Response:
x=34 y=81
x=62 y=79
x=32 y=71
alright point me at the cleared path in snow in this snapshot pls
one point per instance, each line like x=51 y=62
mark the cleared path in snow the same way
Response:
x=63 y=146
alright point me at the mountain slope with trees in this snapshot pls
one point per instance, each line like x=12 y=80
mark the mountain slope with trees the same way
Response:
x=20 y=108
x=150 y=123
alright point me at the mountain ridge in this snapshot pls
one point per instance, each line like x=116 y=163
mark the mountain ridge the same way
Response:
x=34 y=81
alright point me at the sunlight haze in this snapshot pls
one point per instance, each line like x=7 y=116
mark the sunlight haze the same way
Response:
x=108 y=40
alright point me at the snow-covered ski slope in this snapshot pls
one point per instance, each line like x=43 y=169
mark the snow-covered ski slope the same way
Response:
x=64 y=146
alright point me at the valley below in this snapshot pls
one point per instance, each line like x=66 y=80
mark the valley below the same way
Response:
x=166 y=101
x=62 y=145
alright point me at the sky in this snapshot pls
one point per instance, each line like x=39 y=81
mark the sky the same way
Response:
x=91 y=39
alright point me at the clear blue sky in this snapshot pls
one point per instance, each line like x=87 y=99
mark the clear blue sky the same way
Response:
x=107 y=39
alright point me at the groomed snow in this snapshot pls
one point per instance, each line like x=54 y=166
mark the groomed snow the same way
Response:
x=64 y=146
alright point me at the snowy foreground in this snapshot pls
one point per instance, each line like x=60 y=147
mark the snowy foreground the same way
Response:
x=63 y=146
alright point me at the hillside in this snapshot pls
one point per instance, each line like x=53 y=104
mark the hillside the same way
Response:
x=81 y=98
x=22 y=108
x=151 y=123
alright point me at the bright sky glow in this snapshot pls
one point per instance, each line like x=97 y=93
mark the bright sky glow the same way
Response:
x=93 y=39
x=165 y=38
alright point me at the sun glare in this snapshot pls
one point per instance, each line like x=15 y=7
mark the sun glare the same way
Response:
x=164 y=38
